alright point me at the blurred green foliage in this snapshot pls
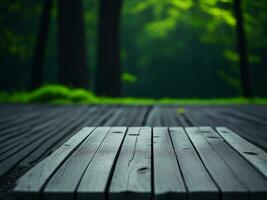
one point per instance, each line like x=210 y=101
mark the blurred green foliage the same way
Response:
x=58 y=94
x=166 y=46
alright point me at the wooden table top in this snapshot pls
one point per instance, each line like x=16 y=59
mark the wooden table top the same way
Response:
x=29 y=133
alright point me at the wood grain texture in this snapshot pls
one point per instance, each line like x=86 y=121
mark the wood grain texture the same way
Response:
x=245 y=124
x=40 y=134
x=229 y=184
x=256 y=156
x=30 y=185
x=193 y=170
x=253 y=180
x=65 y=181
x=29 y=133
x=95 y=179
x=132 y=174
x=168 y=180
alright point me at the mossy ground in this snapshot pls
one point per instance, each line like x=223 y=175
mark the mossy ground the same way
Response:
x=58 y=94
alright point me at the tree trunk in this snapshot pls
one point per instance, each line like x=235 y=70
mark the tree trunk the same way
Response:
x=40 y=46
x=71 y=39
x=242 y=50
x=108 y=76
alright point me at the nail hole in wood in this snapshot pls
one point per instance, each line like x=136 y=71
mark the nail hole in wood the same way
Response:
x=251 y=153
x=142 y=169
x=213 y=137
x=186 y=148
x=133 y=134
x=117 y=132
x=205 y=131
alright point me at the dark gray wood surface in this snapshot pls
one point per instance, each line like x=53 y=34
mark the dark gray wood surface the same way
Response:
x=29 y=133
x=36 y=178
x=231 y=187
x=132 y=175
x=193 y=170
x=65 y=181
x=168 y=179
x=95 y=179
x=144 y=163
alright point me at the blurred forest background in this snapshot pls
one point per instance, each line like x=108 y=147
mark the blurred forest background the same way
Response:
x=167 y=48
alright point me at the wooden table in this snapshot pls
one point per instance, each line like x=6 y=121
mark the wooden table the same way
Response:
x=200 y=166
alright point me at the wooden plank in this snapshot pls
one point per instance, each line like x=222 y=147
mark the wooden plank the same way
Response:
x=256 y=156
x=171 y=117
x=29 y=186
x=102 y=114
x=36 y=135
x=40 y=135
x=168 y=181
x=193 y=170
x=155 y=117
x=116 y=117
x=230 y=186
x=57 y=138
x=139 y=114
x=66 y=179
x=132 y=175
x=95 y=179
x=220 y=116
x=251 y=178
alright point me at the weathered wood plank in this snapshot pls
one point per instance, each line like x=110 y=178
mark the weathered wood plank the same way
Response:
x=254 y=181
x=95 y=179
x=168 y=181
x=40 y=134
x=256 y=156
x=29 y=186
x=66 y=179
x=193 y=170
x=132 y=175
x=51 y=135
x=230 y=186
x=220 y=116
x=61 y=135
x=172 y=117
x=154 y=118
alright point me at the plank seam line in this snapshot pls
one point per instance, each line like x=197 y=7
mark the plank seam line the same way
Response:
x=74 y=125
x=147 y=113
x=80 y=179
x=216 y=184
x=74 y=149
x=222 y=158
x=71 y=129
x=106 y=116
x=186 y=119
x=152 y=166
x=250 y=163
x=23 y=146
x=93 y=114
x=179 y=166
x=114 y=165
